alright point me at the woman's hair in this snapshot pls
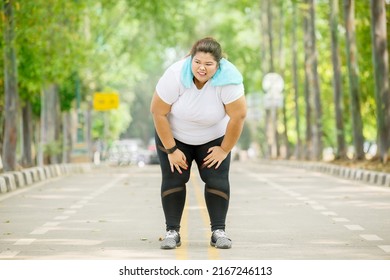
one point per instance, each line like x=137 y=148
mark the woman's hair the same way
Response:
x=208 y=45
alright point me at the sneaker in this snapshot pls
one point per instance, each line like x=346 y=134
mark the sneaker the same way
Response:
x=220 y=240
x=171 y=240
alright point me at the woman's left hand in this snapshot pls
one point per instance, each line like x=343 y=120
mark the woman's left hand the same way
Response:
x=215 y=157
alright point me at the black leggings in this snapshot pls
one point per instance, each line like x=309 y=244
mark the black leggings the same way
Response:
x=173 y=187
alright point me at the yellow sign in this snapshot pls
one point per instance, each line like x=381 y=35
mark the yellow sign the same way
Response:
x=103 y=101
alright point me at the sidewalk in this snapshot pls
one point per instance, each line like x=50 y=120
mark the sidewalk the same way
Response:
x=356 y=174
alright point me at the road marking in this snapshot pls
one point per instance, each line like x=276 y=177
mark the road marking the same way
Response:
x=385 y=248
x=45 y=228
x=51 y=224
x=354 y=227
x=371 y=237
x=182 y=251
x=318 y=207
x=329 y=213
x=70 y=212
x=26 y=241
x=340 y=219
x=311 y=202
x=212 y=253
x=8 y=254
x=40 y=231
x=61 y=217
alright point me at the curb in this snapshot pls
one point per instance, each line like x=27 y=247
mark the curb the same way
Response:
x=355 y=174
x=11 y=181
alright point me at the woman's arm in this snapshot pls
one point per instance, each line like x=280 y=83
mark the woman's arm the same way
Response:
x=237 y=113
x=160 y=110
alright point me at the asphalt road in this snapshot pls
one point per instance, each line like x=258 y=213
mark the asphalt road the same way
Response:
x=276 y=213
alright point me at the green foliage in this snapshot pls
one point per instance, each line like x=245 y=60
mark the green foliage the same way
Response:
x=125 y=45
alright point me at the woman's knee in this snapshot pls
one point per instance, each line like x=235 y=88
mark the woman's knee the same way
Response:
x=174 y=180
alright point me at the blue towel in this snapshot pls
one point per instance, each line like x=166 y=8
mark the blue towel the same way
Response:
x=227 y=74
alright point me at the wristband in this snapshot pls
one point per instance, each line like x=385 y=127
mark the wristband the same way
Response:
x=171 y=150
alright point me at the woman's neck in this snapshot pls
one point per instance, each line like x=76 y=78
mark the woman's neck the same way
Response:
x=198 y=84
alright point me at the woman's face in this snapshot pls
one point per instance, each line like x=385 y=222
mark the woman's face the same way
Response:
x=203 y=67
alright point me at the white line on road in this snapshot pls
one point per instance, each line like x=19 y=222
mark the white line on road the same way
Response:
x=318 y=207
x=41 y=230
x=8 y=254
x=329 y=213
x=354 y=227
x=311 y=202
x=51 y=224
x=371 y=237
x=340 y=219
x=25 y=241
x=385 y=248
x=45 y=228
x=61 y=217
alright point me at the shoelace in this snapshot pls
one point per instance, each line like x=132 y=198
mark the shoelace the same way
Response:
x=171 y=234
x=220 y=233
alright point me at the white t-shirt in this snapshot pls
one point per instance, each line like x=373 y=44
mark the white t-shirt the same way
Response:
x=197 y=115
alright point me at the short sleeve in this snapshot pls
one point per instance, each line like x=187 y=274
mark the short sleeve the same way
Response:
x=168 y=87
x=230 y=93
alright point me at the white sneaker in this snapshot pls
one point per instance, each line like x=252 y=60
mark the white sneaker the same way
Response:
x=171 y=240
x=220 y=240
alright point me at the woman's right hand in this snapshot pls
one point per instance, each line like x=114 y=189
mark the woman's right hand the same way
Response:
x=177 y=160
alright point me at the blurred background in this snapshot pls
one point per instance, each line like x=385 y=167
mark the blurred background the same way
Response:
x=77 y=77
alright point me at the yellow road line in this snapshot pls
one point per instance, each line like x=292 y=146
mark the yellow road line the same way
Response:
x=182 y=251
x=211 y=252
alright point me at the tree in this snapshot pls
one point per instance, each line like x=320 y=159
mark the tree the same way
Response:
x=312 y=83
x=357 y=125
x=294 y=26
x=381 y=68
x=341 y=151
x=10 y=89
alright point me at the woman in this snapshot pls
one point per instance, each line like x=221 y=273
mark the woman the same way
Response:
x=198 y=110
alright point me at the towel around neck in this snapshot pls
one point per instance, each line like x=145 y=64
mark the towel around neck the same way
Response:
x=227 y=74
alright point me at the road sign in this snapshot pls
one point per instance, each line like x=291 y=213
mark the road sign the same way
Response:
x=104 y=101
x=273 y=82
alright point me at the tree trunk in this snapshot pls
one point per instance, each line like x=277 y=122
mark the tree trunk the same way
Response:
x=67 y=143
x=282 y=65
x=341 y=151
x=315 y=88
x=10 y=90
x=27 y=135
x=264 y=37
x=270 y=37
x=308 y=113
x=298 y=147
x=357 y=125
x=381 y=67
x=49 y=125
x=273 y=138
